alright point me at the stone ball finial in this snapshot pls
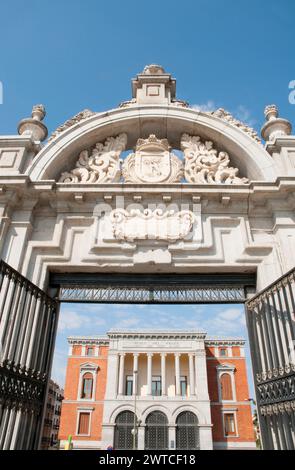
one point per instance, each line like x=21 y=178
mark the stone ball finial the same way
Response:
x=274 y=126
x=153 y=69
x=33 y=126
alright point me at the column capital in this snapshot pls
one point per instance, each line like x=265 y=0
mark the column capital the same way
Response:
x=177 y=354
x=150 y=354
x=121 y=353
x=163 y=354
x=135 y=354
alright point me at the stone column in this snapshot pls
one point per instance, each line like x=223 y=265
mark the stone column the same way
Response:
x=163 y=373
x=135 y=373
x=121 y=374
x=149 y=373
x=172 y=437
x=140 y=441
x=201 y=376
x=177 y=374
x=191 y=374
x=112 y=374
x=206 y=441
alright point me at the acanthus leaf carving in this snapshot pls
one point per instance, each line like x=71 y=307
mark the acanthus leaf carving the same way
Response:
x=100 y=164
x=152 y=162
x=205 y=165
x=151 y=224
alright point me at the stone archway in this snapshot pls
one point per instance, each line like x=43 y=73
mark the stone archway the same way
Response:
x=225 y=206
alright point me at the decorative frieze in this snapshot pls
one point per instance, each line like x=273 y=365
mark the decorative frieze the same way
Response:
x=101 y=164
x=205 y=165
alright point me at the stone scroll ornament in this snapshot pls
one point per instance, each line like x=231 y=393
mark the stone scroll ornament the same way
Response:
x=100 y=164
x=150 y=224
x=152 y=162
x=204 y=164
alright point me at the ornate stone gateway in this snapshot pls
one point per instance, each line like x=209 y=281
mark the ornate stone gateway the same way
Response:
x=152 y=188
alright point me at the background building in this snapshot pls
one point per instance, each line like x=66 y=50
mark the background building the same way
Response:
x=187 y=392
x=52 y=416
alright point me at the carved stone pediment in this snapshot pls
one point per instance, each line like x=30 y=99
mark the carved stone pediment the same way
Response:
x=155 y=225
x=100 y=164
x=204 y=164
x=152 y=162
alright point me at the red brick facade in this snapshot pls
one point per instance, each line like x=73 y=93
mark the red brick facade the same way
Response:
x=231 y=363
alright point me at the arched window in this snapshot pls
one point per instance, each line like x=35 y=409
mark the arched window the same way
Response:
x=187 y=431
x=226 y=387
x=123 y=438
x=156 y=431
x=87 y=385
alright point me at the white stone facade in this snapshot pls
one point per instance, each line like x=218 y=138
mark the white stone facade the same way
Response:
x=166 y=355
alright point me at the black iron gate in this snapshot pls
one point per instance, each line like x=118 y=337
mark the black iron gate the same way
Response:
x=271 y=327
x=28 y=318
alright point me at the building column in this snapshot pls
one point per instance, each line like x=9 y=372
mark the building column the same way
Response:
x=163 y=373
x=172 y=437
x=177 y=374
x=121 y=374
x=112 y=374
x=140 y=438
x=206 y=441
x=201 y=382
x=191 y=375
x=149 y=373
x=135 y=373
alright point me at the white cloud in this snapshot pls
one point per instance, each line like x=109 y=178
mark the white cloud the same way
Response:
x=230 y=314
x=241 y=112
x=244 y=114
x=205 y=107
x=73 y=320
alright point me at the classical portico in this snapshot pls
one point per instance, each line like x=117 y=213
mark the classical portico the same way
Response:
x=157 y=370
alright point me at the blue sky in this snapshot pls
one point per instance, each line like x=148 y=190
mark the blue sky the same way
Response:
x=227 y=320
x=76 y=54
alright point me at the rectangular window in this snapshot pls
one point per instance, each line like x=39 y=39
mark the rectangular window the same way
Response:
x=87 y=388
x=129 y=384
x=229 y=424
x=84 y=421
x=90 y=351
x=156 y=386
x=223 y=352
x=183 y=386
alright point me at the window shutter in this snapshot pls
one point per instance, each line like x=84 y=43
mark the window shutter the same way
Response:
x=84 y=423
x=226 y=388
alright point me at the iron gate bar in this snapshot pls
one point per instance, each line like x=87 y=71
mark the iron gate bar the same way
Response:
x=24 y=362
x=271 y=327
x=153 y=288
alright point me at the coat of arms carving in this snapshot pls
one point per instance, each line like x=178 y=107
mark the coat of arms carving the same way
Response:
x=152 y=162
